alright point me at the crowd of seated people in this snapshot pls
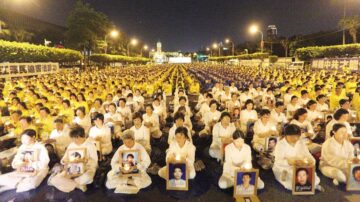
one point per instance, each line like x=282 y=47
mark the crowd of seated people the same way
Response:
x=202 y=112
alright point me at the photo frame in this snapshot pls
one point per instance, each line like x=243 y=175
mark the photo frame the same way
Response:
x=75 y=169
x=355 y=127
x=353 y=177
x=355 y=141
x=76 y=155
x=245 y=183
x=270 y=143
x=28 y=155
x=303 y=180
x=177 y=176
x=128 y=159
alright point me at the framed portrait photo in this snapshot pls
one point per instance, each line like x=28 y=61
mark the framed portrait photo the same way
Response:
x=271 y=143
x=355 y=141
x=245 y=183
x=355 y=127
x=353 y=178
x=129 y=160
x=76 y=155
x=27 y=156
x=303 y=180
x=75 y=169
x=177 y=176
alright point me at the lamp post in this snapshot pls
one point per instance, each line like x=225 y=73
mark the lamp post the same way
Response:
x=113 y=34
x=209 y=50
x=232 y=46
x=254 y=29
x=216 y=46
x=132 y=42
x=145 y=47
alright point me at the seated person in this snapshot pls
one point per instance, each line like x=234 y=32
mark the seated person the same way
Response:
x=263 y=128
x=247 y=115
x=290 y=151
x=141 y=132
x=179 y=120
x=237 y=155
x=19 y=181
x=60 y=136
x=65 y=183
x=335 y=154
x=116 y=178
x=182 y=148
x=101 y=133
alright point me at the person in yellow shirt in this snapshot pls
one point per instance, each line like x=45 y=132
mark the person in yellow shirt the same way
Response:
x=44 y=123
x=335 y=97
x=67 y=112
x=356 y=102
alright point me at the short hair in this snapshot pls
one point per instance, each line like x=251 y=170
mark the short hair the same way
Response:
x=138 y=115
x=302 y=169
x=18 y=112
x=292 y=129
x=299 y=112
x=59 y=120
x=182 y=130
x=179 y=115
x=247 y=173
x=77 y=131
x=28 y=119
x=29 y=132
x=213 y=102
x=149 y=105
x=278 y=104
x=355 y=169
x=238 y=134
x=224 y=114
x=343 y=101
x=182 y=98
x=293 y=97
x=99 y=116
x=130 y=155
x=336 y=127
x=311 y=102
x=82 y=109
x=339 y=113
x=128 y=135
x=303 y=92
x=320 y=96
x=112 y=104
x=122 y=99
x=264 y=112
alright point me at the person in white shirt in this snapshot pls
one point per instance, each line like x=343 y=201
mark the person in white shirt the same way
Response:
x=288 y=95
x=245 y=95
x=179 y=120
x=139 y=99
x=183 y=103
x=233 y=88
x=181 y=149
x=290 y=151
x=292 y=107
x=234 y=102
x=313 y=114
x=336 y=153
x=82 y=119
x=248 y=115
x=237 y=156
x=117 y=178
x=65 y=183
x=102 y=134
x=159 y=109
x=304 y=98
x=125 y=112
x=114 y=119
x=269 y=95
x=321 y=105
x=187 y=119
x=221 y=134
x=226 y=95
x=38 y=164
x=60 y=135
x=307 y=131
x=277 y=115
x=263 y=128
x=340 y=116
x=141 y=132
x=210 y=118
x=151 y=121
x=132 y=104
x=97 y=107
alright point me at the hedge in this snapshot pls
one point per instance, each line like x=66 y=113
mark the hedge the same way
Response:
x=307 y=53
x=243 y=56
x=107 y=58
x=25 y=52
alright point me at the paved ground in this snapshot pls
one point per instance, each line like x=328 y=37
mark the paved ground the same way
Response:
x=203 y=188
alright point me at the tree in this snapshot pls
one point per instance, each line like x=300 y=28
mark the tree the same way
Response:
x=4 y=31
x=351 y=23
x=85 y=27
x=21 y=35
x=285 y=44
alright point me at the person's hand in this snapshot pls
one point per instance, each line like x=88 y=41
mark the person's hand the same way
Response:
x=98 y=138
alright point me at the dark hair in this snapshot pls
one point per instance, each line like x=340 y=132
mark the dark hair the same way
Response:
x=99 y=99
x=293 y=97
x=130 y=155
x=249 y=101
x=27 y=118
x=224 y=114
x=59 y=120
x=137 y=115
x=67 y=102
x=82 y=109
x=264 y=112
x=248 y=174
x=238 y=134
x=213 y=102
x=355 y=169
x=278 y=104
x=302 y=169
x=299 y=112
x=122 y=99
x=343 y=101
x=182 y=130
x=99 y=116
x=311 y=102
x=47 y=110
x=149 y=105
x=292 y=129
x=339 y=113
x=182 y=98
x=319 y=97
x=303 y=92
x=77 y=132
x=335 y=128
x=112 y=104
x=29 y=132
x=179 y=115
x=17 y=112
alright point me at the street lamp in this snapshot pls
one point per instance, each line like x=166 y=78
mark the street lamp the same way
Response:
x=145 y=47
x=216 y=46
x=112 y=34
x=253 y=30
x=209 y=49
x=133 y=42
x=232 y=45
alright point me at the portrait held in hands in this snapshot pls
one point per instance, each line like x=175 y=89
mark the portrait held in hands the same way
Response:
x=177 y=176
x=76 y=155
x=355 y=141
x=245 y=183
x=129 y=160
x=353 y=183
x=75 y=169
x=303 y=180
x=271 y=143
x=28 y=156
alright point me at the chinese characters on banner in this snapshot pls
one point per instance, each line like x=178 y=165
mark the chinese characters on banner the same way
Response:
x=27 y=69
x=345 y=64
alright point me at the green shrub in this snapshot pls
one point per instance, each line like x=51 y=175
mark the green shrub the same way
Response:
x=25 y=52
x=308 y=53
x=107 y=58
x=244 y=57
x=273 y=58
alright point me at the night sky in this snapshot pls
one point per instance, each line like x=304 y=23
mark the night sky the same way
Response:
x=188 y=25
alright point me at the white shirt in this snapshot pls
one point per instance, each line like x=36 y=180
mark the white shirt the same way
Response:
x=62 y=139
x=260 y=128
x=220 y=132
x=277 y=118
x=140 y=99
x=115 y=117
x=291 y=109
x=187 y=151
x=246 y=115
x=91 y=155
x=85 y=122
x=322 y=107
x=125 y=112
x=335 y=154
x=236 y=158
x=312 y=115
x=305 y=127
x=172 y=130
x=142 y=135
x=105 y=134
x=209 y=116
x=41 y=152
x=330 y=125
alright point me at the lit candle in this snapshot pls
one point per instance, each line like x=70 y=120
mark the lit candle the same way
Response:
x=247 y=166
x=319 y=116
x=177 y=157
x=273 y=128
x=306 y=161
x=37 y=121
x=127 y=167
